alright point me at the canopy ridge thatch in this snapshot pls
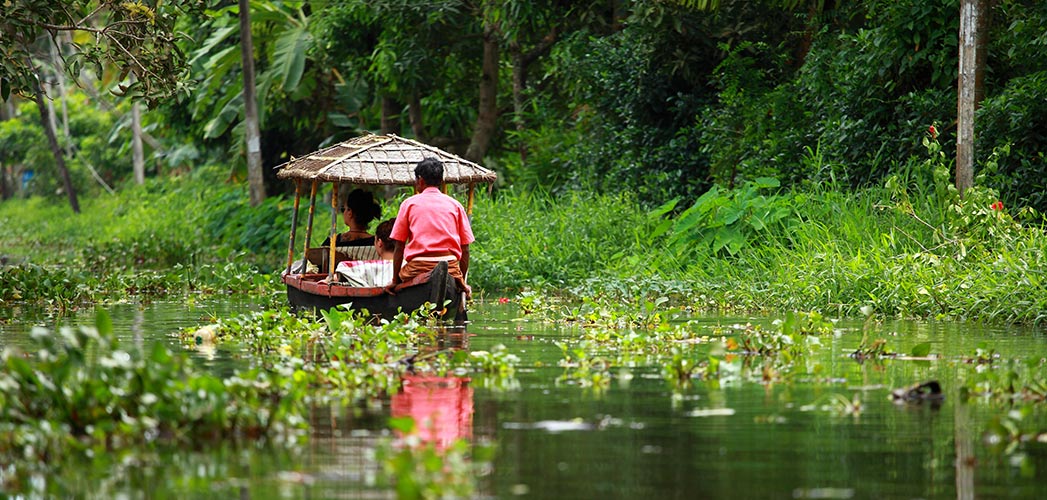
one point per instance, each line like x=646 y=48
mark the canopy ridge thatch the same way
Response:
x=380 y=159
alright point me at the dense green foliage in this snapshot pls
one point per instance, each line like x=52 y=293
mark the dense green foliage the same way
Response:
x=659 y=99
x=173 y=235
x=111 y=36
x=713 y=154
x=909 y=249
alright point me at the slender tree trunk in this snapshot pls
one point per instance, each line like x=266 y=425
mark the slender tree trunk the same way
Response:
x=5 y=189
x=255 y=177
x=414 y=114
x=49 y=131
x=487 y=115
x=970 y=86
x=137 y=155
x=391 y=110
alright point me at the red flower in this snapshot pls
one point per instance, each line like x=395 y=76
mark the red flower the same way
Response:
x=998 y=205
x=933 y=131
x=503 y=300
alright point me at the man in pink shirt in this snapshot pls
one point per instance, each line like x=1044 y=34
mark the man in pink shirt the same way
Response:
x=431 y=227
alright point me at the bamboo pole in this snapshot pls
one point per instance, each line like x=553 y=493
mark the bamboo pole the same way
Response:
x=469 y=204
x=294 y=223
x=309 y=228
x=334 y=229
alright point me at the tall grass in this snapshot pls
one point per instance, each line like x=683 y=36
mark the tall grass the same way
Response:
x=164 y=222
x=909 y=249
x=533 y=238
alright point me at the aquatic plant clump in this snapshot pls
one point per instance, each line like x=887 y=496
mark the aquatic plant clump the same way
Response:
x=81 y=390
x=346 y=355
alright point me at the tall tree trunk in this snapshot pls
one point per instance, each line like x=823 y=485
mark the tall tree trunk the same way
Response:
x=6 y=190
x=255 y=177
x=414 y=114
x=487 y=114
x=49 y=131
x=391 y=110
x=970 y=86
x=137 y=155
x=70 y=147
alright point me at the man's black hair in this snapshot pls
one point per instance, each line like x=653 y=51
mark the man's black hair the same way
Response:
x=431 y=171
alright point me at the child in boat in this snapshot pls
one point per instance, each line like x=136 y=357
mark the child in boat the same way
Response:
x=431 y=227
x=371 y=273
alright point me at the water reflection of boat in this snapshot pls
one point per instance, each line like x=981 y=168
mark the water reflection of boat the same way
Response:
x=442 y=407
x=368 y=160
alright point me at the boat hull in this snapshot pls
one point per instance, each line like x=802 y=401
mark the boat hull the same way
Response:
x=305 y=291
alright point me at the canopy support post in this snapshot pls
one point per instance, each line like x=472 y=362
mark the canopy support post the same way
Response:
x=334 y=229
x=294 y=223
x=312 y=212
x=469 y=204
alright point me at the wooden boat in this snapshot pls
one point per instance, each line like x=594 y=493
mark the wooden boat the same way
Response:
x=436 y=288
x=370 y=160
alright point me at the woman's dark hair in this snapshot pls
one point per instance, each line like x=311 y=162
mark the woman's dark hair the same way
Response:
x=431 y=171
x=364 y=208
x=384 y=231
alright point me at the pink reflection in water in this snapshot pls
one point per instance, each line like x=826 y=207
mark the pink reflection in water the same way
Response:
x=442 y=407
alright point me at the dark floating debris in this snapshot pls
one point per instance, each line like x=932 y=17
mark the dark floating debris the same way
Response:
x=924 y=391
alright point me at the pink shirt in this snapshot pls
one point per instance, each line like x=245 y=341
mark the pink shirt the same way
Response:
x=431 y=223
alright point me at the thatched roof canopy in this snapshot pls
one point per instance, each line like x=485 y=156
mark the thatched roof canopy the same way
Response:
x=379 y=159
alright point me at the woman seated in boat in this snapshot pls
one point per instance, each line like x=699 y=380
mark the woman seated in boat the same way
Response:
x=357 y=212
x=371 y=273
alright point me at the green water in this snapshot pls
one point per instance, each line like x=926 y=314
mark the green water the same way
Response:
x=638 y=438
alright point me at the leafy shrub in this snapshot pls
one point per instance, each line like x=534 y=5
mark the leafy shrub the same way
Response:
x=1014 y=123
x=724 y=222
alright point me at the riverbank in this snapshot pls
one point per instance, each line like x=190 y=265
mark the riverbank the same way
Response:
x=911 y=249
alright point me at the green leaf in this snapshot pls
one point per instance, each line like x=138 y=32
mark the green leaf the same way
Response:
x=729 y=238
x=103 y=323
x=216 y=38
x=402 y=424
x=730 y=215
x=661 y=228
x=5 y=89
x=766 y=182
x=921 y=350
x=221 y=122
x=342 y=120
x=289 y=56
x=665 y=208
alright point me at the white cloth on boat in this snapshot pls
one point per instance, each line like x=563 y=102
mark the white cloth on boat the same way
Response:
x=368 y=273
